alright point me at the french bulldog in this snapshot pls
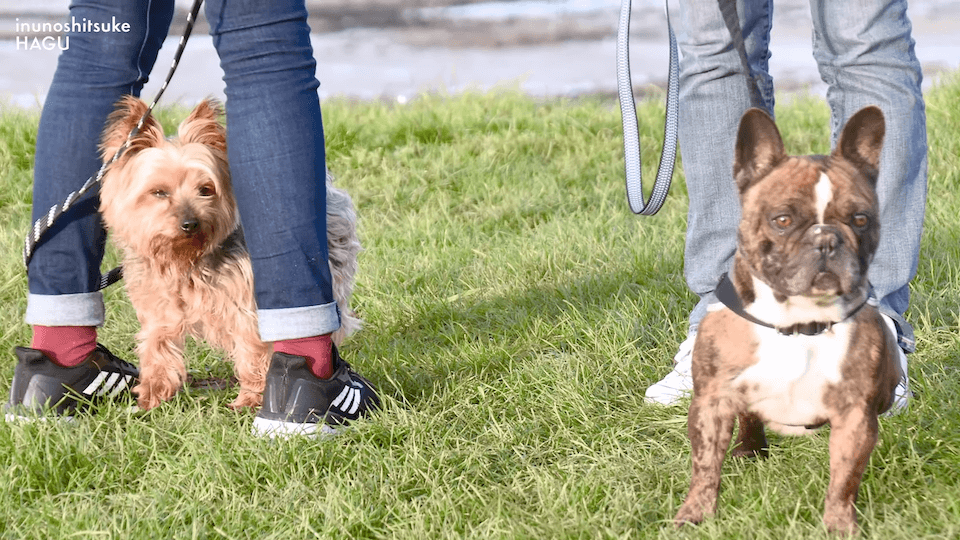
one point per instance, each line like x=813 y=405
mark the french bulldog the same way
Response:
x=796 y=342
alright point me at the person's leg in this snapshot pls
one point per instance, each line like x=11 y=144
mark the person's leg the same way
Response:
x=277 y=163
x=91 y=76
x=866 y=56
x=63 y=304
x=714 y=94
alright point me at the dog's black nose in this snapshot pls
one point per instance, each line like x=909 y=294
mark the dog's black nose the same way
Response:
x=827 y=240
x=190 y=225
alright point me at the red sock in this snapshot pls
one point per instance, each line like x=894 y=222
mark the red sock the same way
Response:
x=67 y=346
x=318 y=350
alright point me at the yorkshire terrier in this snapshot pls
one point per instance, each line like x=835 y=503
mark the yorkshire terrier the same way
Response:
x=169 y=205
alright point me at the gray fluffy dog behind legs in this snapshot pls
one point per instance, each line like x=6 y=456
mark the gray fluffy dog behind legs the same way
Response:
x=343 y=247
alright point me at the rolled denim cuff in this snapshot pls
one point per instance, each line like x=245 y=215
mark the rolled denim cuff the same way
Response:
x=82 y=309
x=299 y=322
x=708 y=302
x=905 y=335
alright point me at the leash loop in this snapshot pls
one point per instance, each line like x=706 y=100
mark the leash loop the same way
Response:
x=42 y=225
x=631 y=132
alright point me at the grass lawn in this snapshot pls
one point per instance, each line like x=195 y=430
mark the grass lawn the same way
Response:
x=515 y=312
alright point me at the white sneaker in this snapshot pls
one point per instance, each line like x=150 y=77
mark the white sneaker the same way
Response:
x=902 y=394
x=678 y=384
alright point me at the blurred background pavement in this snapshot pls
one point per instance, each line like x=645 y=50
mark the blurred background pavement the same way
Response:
x=396 y=49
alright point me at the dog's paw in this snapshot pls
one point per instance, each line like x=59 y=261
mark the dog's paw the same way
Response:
x=688 y=515
x=750 y=452
x=155 y=388
x=246 y=398
x=146 y=398
x=841 y=522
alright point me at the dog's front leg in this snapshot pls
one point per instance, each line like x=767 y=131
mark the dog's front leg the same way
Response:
x=852 y=439
x=236 y=330
x=710 y=429
x=251 y=359
x=162 y=371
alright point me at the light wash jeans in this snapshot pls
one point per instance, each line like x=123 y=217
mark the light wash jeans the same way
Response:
x=865 y=54
x=275 y=141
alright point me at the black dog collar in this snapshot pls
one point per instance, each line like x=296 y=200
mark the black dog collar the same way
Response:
x=728 y=296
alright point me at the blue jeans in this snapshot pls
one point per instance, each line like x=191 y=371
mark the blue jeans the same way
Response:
x=276 y=151
x=865 y=54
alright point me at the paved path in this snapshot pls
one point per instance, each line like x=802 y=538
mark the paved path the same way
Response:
x=396 y=49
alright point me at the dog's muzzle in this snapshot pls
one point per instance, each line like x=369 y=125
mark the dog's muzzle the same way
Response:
x=827 y=240
x=190 y=225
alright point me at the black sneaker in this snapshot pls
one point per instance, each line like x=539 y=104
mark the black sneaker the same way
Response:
x=41 y=387
x=296 y=402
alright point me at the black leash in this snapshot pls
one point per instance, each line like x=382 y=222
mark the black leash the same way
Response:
x=728 y=9
x=42 y=225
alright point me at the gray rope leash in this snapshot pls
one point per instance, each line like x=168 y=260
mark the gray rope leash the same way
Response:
x=42 y=225
x=631 y=132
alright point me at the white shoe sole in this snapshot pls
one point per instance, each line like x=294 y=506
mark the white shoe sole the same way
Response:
x=272 y=429
x=24 y=419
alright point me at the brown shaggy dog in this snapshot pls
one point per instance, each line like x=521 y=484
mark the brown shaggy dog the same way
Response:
x=168 y=204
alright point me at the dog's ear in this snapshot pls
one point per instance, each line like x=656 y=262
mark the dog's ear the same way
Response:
x=203 y=126
x=759 y=148
x=861 y=141
x=121 y=122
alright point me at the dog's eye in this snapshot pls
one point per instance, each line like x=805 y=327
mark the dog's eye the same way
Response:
x=207 y=191
x=860 y=221
x=160 y=194
x=783 y=221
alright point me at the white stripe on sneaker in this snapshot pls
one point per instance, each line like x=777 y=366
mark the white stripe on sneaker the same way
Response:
x=356 y=401
x=109 y=384
x=348 y=401
x=343 y=395
x=353 y=402
x=121 y=386
x=95 y=384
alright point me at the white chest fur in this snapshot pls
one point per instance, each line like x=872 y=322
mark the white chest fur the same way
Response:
x=786 y=385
